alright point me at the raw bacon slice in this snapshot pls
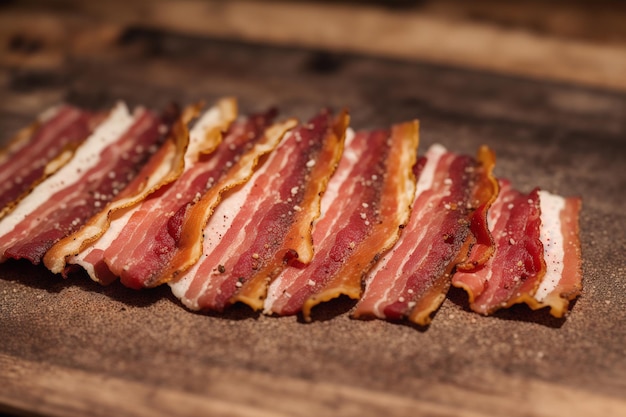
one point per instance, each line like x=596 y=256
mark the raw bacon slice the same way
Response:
x=514 y=272
x=267 y=222
x=100 y=169
x=148 y=243
x=537 y=257
x=28 y=158
x=163 y=167
x=306 y=192
x=367 y=201
x=413 y=278
x=204 y=138
x=561 y=244
x=190 y=246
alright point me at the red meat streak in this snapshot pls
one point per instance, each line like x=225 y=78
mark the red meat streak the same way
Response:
x=69 y=208
x=147 y=242
x=24 y=165
x=412 y=280
x=346 y=223
x=514 y=272
x=268 y=221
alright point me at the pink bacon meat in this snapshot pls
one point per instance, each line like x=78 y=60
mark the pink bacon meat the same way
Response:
x=147 y=245
x=32 y=155
x=513 y=273
x=162 y=168
x=204 y=138
x=537 y=257
x=101 y=167
x=267 y=222
x=376 y=166
x=413 y=278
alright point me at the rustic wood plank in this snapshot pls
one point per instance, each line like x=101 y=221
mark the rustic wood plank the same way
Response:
x=53 y=390
x=600 y=21
x=413 y=34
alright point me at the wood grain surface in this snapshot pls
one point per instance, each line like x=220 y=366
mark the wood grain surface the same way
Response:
x=574 y=41
x=72 y=347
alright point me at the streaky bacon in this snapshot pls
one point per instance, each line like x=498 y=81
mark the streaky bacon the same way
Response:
x=561 y=243
x=514 y=272
x=297 y=245
x=204 y=138
x=357 y=224
x=190 y=246
x=162 y=168
x=413 y=278
x=537 y=259
x=100 y=168
x=32 y=154
x=266 y=223
x=147 y=246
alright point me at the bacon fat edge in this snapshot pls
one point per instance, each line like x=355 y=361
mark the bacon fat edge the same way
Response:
x=266 y=222
x=561 y=243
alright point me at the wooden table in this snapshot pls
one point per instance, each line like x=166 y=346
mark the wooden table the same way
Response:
x=72 y=347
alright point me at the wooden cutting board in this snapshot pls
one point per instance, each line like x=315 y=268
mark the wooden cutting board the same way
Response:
x=71 y=347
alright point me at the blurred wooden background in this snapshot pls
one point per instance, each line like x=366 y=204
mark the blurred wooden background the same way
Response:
x=576 y=41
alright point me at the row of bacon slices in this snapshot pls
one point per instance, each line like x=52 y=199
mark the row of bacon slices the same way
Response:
x=281 y=216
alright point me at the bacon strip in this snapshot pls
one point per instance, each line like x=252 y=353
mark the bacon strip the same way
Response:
x=147 y=246
x=267 y=222
x=204 y=138
x=537 y=259
x=561 y=243
x=190 y=246
x=413 y=278
x=513 y=274
x=163 y=167
x=357 y=224
x=26 y=161
x=100 y=169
